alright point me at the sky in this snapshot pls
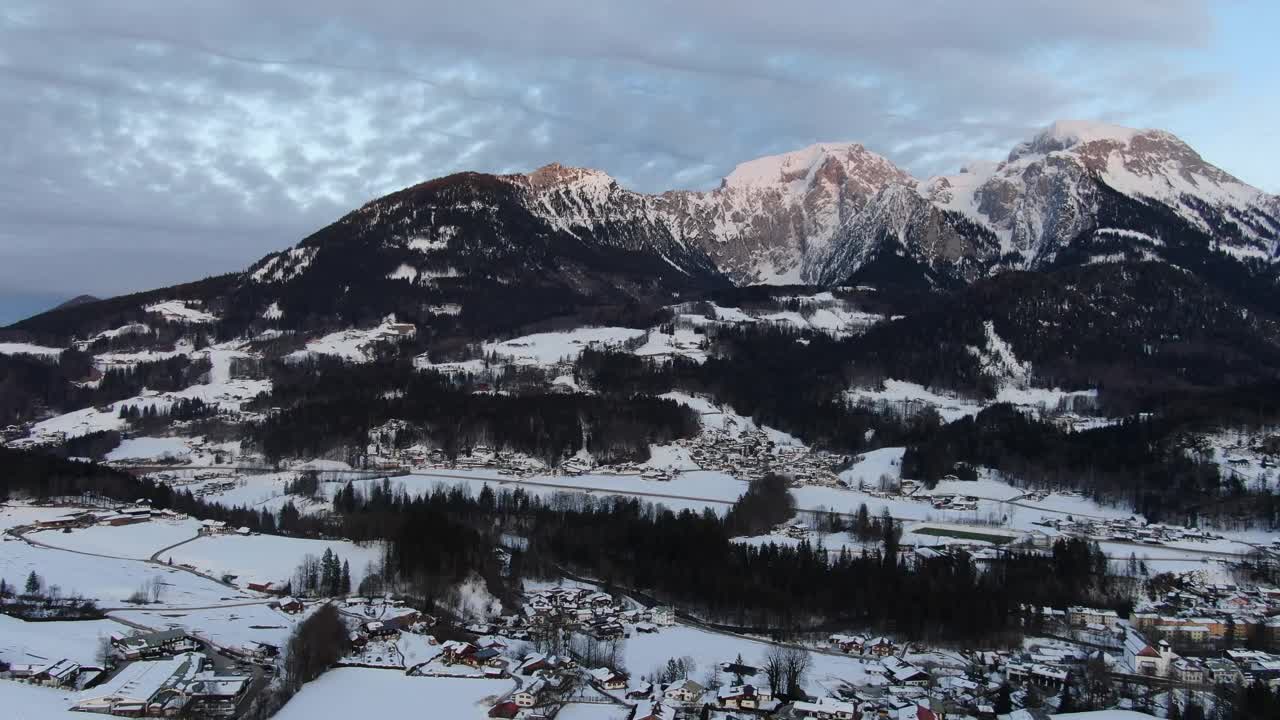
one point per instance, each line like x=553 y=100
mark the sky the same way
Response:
x=148 y=143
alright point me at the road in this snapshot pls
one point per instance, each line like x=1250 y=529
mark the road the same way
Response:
x=21 y=533
x=223 y=660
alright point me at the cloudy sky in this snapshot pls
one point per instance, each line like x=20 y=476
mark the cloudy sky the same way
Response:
x=146 y=143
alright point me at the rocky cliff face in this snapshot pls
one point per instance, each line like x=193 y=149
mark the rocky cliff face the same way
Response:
x=1073 y=182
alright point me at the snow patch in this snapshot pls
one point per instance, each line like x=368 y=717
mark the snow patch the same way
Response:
x=14 y=348
x=181 y=311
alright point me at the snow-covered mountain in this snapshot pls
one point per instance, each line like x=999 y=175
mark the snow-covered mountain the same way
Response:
x=772 y=216
x=821 y=214
x=764 y=224
x=474 y=252
x=1072 y=184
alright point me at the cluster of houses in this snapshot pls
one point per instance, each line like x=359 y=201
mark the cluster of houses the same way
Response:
x=1217 y=625
x=750 y=453
x=1202 y=615
x=745 y=453
x=1235 y=666
x=162 y=674
x=61 y=673
x=1131 y=530
x=591 y=612
x=953 y=502
x=181 y=685
x=124 y=514
x=878 y=646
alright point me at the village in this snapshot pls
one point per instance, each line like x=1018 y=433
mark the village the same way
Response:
x=571 y=645
x=572 y=649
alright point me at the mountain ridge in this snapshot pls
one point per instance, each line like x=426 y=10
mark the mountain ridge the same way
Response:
x=498 y=251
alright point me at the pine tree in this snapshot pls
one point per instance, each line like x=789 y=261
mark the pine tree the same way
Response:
x=1067 y=701
x=328 y=573
x=1004 y=700
x=344 y=585
x=33 y=583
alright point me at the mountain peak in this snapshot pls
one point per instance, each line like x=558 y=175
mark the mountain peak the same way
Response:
x=555 y=174
x=798 y=170
x=1071 y=134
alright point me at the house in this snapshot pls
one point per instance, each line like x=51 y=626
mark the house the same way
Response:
x=824 y=709
x=506 y=710
x=685 y=691
x=261 y=650
x=880 y=647
x=608 y=679
x=743 y=697
x=60 y=674
x=847 y=643
x=126 y=519
x=641 y=691
x=527 y=696
x=534 y=662
x=290 y=605
x=216 y=695
x=902 y=672
x=1220 y=671
x=1188 y=671
x=262 y=587
x=401 y=623
x=1143 y=659
x=155 y=644
x=664 y=616
x=649 y=710
x=1037 y=674
x=457 y=651
x=488 y=656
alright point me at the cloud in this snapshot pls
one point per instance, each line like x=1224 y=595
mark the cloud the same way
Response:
x=166 y=142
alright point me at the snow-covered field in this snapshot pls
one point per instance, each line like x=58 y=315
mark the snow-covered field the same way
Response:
x=179 y=311
x=644 y=654
x=554 y=347
x=719 y=417
x=366 y=693
x=267 y=558
x=593 y=711
x=21 y=701
x=228 y=627
x=191 y=450
x=986 y=488
x=354 y=345
x=910 y=397
x=1241 y=454
x=867 y=470
x=12 y=516
x=820 y=312
x=682 y=341
x=150 y=448
x=138 y=541
x=670 y=457
x=13 y=348
x=108 y=580
x=36 y=642
x=229 y=395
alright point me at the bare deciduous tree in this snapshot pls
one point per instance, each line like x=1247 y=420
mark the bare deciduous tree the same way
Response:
x=795 y=663
x=155 y=588
x=775 y=665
